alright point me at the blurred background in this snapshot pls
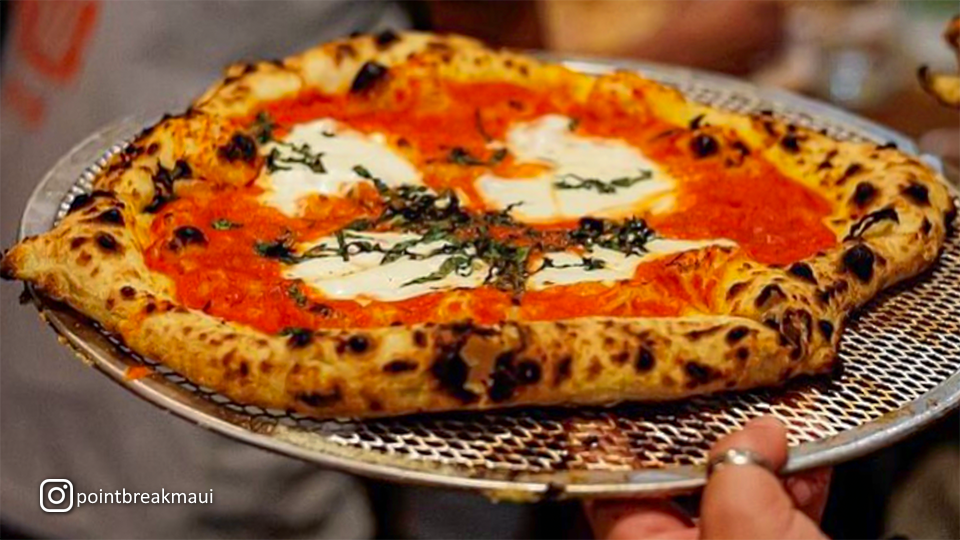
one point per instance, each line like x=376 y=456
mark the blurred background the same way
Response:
x=70 y=67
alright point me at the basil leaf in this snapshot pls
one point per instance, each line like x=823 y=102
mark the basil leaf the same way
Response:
x=224 y=224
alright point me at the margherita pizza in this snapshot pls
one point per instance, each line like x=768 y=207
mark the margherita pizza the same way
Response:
x=405 y=223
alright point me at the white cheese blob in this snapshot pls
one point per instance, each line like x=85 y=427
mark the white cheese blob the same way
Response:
x=363 y=277
x=342 y=150
x=570 y=268
x=572 y=159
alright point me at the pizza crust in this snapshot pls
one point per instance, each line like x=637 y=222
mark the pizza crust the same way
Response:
x=772 y=323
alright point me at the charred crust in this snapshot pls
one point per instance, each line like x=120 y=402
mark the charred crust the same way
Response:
x=925 y=226
x=181 y=169
x=827 y=162
x=696 y=335
x=645 y=360
x=399 y=366
x=695 y=123
x=562 y=371
x=343 y=51
x=735 y=290
x=917 y=193
x=321 y=399
x=508 y=374
x=127 y=291
x=802 y=271
x=299 y=338
x=849 y=172
x=78 y=241
x=451 y=372
x=768 y=293
x=736 y=334
x=863 y=194
x=796 y=329
x=528 y=372
x=790 y=143
x=368 y=76
x=621 y=357
x=84 y=199
x=869 y=220
x=828 y=293
x=859 y=261
x=112 y=216
x=163 y=181
x=358 y=344
x=385 y=38
x=887 y=146
x=241 y=147
x=826 y=329
x=107 y=242
x=742 y=354
x=704 y=146
x=420 y=338
x=698 y=374
x=837 y=369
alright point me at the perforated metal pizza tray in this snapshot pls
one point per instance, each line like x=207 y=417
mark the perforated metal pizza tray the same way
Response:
x=902 y=356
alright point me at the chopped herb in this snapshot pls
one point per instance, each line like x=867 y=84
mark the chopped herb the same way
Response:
x=224 y=224
x=587 y=263
x=461 y=157
x=279 y=249
x=301 y=154
x=329 y=134
x=263 y=127
x=362 y=172
x=294 y=292
x=574 y=124
x=461 y=264
x=573 y=181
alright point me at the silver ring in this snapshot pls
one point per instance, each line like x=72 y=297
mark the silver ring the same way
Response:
x=737 y=457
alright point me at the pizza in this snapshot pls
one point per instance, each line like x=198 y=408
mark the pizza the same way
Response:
x=402 y=223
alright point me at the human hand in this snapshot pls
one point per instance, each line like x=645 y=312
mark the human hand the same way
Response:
x=745 y=501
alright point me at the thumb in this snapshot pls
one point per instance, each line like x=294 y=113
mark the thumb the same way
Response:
x=748 y=501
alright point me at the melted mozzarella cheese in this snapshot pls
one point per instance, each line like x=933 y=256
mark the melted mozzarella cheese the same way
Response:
x=569 y=268
x=571 y=158
x=363 y=277
x=342 y=149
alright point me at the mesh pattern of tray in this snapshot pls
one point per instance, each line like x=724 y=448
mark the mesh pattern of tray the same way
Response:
x=902 y=357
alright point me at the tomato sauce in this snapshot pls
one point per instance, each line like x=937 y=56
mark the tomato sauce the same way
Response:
x=773 y=219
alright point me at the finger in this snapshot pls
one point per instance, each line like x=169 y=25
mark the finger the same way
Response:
x=810 y=490
x=748 y=501
x=619 y=519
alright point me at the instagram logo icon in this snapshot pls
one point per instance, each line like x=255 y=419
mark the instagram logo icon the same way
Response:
x=56 y=495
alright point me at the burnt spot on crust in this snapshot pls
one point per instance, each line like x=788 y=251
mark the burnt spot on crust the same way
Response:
x=127 y=291
x=695 y=123
x=791 y=143
x=84 y=199
x=368 y=76
x=358 y=343
x=508 y=374
x=771 y=292
x=77 y=242
x=826 y=328
x=925 y=226
x=112 y=216
x=298 y=337
x=796 y=329
x=871 y=219
x=696 y=335
x=107 y=242
x=386 y=38
x=735 y=290
x=451 y=372
x=917 y=193
x=742 y=354
x=736 y=334
x=562 y=371
x=863 y=194
x=321 y=399
x=621 y=357
x=163 y=181
x=859 y=261
x=828 y=293
x=186 y=236
x=420 y=338
x=887 y=146
x=802 y=271
x=849 y=172
x=240 y=147
x=645 y=360
x=704 y=146
x=827 y=162
x=698 y=374
x=399 y=366
x=343 y=51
